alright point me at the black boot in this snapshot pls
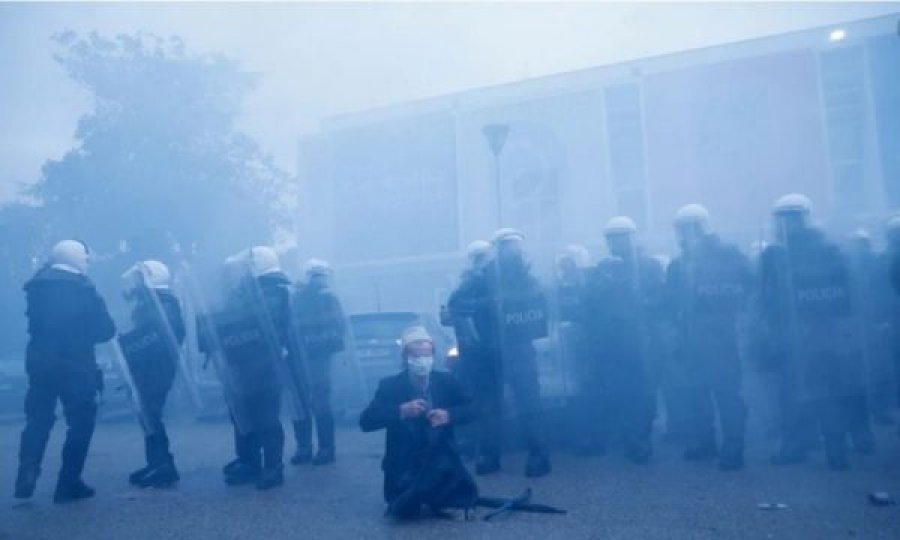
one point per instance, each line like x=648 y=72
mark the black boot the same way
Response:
x=231 y=466
x=162 y=476
x=26 y=481
x=324 y=456
x=72 y=490
x=538 y=465
x=135 y=478
x=270 y=478
x=242 y=474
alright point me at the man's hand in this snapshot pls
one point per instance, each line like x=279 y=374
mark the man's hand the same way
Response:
x=439 y=417
x=413 y=409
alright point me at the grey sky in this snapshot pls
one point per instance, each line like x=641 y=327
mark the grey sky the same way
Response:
x=322 y=59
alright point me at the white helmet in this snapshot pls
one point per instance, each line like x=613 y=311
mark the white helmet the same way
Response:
x=620 y=225
x=792 y=203
x=693 y=213
x=506 y=234
x=263 y=260
x=579 y=254
x=477 y=249
x=152 y=274
x=861 y=234
x=72 y=254
x=316 y=267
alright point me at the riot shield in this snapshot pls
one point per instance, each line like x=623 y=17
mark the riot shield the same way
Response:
x=136 y=346
x=289 y=364
x=218 y=339
x=172 y=347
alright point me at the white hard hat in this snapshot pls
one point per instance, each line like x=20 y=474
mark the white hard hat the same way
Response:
x=413 y=334
x=861 y=234
x=503 y=235
x=263 y=260
x=153 y=274
x=792 y=203
x=692 y=213
x=71 y=253
x=620 y=225
x=316 y=267
x=477 y=249
x=579 y=254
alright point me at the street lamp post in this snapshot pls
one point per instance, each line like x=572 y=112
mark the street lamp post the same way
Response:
x=496 y=135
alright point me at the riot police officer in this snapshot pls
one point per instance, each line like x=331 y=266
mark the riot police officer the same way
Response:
x=152 y=349
x=511 y=312
x=624 y=300
x=580 y=373
x=262 y=297
x=708 y=284
x=807 y=303
x=472 y=351
x=319 y=321
x=66 y=319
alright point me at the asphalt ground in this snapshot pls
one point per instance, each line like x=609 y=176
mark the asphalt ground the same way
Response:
x=607 y=497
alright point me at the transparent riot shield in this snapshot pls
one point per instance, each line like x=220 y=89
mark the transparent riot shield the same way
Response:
x=282 y=347
x=221 y=340
x=134 y=345
x=171 y=343
x=317 y=330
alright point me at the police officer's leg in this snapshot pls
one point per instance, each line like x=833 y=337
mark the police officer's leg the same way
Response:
x=321 y=406
x=271 y=440
x=732 y=421
x=246 y=442
x=702 y=445
x=856 y=408
x=303 y=427
x=488 y=395
x=523 y=378
x=796 y=423
x=78 y=394
x=833 y=416
x=40 y=403
x=638 y=414
x=162 y=471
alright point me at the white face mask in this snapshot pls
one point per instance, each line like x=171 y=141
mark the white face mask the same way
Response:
x=420 y=365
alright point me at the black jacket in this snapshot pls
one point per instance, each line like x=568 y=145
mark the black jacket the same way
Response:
x=319 y=321
x=66 y=318
x=408 y=440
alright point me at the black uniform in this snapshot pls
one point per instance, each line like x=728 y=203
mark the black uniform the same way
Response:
x=408 y=441
x=575 y=354
x=260 y=445
x=807 y=301
x=624 y=313
x=66 y=319
x=319 y=321
x=153 y=362
x=708 y=289
x=510 y=313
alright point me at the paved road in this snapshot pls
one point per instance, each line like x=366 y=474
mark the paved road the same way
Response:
x=607 y=497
